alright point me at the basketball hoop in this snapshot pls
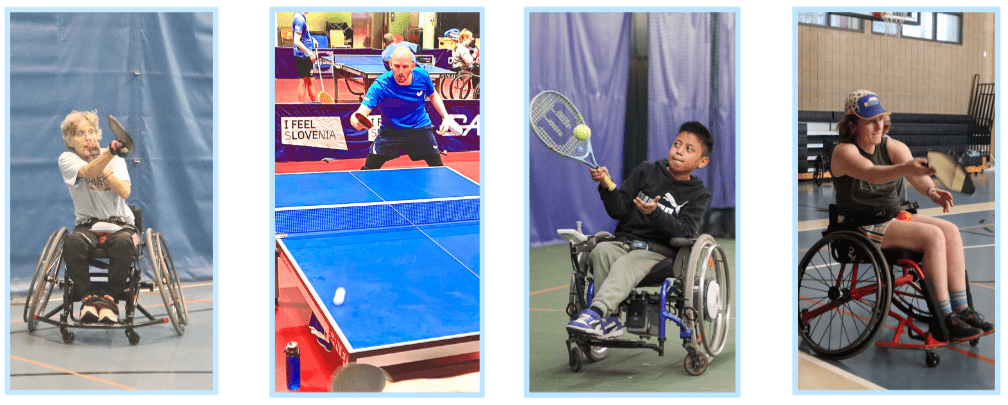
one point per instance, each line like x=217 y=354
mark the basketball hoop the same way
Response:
x=893 y=23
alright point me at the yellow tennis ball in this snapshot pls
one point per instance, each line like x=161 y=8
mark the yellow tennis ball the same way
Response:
x=582 y=132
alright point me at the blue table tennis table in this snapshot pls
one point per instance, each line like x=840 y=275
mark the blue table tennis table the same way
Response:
x=405 y=245
x=368 y=68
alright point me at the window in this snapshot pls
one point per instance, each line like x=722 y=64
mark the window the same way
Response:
x=835 y=20
x=939 y=27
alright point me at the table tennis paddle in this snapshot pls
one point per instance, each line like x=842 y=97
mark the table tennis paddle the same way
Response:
x=553 y=118
x=363 y=119
x=122 y=136
x=359 y=377
x=950 y=172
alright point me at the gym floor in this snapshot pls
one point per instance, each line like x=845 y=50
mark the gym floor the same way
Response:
x=103 y=359
x=961 y=367
x=624 y=370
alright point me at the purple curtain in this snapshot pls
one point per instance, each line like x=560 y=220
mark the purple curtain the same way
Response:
x=583 y=56
x=692 y=69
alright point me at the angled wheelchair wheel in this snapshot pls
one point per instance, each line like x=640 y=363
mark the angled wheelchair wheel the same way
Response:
x=444 y=87
x=711 y=294
x=46 y=276
x=466 y=86
x=844 y=293
x=167 y=281
x=820 y=171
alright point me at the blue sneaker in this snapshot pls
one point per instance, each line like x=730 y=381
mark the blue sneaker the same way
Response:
x=589 y=322
x=611 y=327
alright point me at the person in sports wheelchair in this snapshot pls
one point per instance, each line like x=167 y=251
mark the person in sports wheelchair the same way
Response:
x=871 y=229
x=647 y=250
x=105 y=236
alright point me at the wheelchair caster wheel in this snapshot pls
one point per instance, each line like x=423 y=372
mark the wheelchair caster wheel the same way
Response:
x=974 y=342
x=932 y=359
x=695 y=365
x=133 y=337
x=68 y=336
x=575 y=359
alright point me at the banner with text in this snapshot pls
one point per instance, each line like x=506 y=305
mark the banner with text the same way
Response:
x=311 y=132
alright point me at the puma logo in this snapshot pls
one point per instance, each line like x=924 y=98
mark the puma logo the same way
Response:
x=675 y=207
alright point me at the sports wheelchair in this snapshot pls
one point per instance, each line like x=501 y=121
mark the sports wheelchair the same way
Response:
x=51 y=272
x=695 y=294
x=847 y=285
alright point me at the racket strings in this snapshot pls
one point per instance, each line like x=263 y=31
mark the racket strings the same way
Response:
x=560 y=115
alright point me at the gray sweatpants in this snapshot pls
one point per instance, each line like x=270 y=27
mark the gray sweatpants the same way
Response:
x=617 y=270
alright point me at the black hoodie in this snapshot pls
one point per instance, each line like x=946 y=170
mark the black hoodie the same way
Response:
x=679 y=211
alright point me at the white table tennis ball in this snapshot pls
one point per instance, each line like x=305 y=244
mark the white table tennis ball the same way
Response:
x=338 y=298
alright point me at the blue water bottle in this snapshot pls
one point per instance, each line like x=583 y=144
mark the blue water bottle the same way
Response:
x=293 y=367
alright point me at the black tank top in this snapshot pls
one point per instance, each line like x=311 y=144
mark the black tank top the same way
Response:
x=855 y=196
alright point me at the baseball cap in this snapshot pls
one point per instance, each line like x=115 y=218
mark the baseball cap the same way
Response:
x=864 y=104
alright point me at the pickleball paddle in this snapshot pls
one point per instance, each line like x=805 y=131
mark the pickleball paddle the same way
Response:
x=122 y=136
x=950 y=172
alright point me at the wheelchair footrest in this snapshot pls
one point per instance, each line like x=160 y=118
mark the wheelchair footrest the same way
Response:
x=616 y=343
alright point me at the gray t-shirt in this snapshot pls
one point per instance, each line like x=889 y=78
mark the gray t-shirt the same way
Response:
x=858 y=197
x=94 y=198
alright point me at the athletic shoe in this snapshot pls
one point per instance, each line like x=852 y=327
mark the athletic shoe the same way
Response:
x=611 y=327
x=89 y=311
x=588 y=322
x=976 y=320
x=959 y=330
x=108 y=310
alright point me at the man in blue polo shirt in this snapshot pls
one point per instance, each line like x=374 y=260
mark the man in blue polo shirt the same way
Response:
x=405 y=125
x=391 y=45
x=304 y=58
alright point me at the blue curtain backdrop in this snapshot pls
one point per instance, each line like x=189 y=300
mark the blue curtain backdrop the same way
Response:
x=154 y=72
x=585 y=57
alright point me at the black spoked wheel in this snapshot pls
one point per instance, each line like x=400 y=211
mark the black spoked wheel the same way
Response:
x=45 y=278
x=167 y=281
x=820 y=171
x=843 y=295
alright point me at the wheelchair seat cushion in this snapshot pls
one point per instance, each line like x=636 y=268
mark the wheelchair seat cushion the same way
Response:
x=661 y=271
x=893 y=255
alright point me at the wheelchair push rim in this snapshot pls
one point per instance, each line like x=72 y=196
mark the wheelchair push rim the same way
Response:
x=709 y=295
x=844 y=293
x=167 y=282
x=45 y=278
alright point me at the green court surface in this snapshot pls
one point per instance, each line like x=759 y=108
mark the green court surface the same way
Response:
x=624 y=370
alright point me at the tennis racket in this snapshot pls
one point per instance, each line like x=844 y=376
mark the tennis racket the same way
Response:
x=950 y=172
x=322 y=96
x=553 y=118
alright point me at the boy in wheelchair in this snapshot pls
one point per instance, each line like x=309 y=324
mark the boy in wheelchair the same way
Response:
x=99 y=184
x=868 y=169
x=658 y=201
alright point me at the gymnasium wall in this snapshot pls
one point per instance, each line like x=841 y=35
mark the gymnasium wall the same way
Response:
x=909 y=75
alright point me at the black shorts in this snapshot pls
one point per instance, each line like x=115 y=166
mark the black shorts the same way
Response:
x=417 y=143
x=304 y=66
